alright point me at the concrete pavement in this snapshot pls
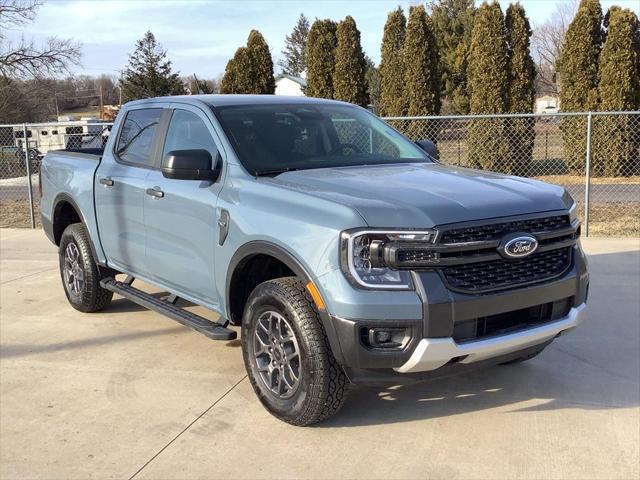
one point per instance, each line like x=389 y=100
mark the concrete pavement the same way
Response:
x=127 y=392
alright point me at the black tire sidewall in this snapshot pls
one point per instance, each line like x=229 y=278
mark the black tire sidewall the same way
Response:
x=263 y=299
x=88 y=300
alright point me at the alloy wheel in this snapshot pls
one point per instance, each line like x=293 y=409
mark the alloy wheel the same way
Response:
x=73 y=269
x=277 y=354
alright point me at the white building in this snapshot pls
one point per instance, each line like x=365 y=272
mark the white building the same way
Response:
x=548 y=104
x=290 y=85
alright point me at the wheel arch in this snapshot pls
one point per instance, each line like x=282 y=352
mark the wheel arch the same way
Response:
x=236 y=297
x=66 y=212
x=250 y=252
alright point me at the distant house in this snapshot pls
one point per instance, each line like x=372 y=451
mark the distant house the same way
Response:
x=290 y=85
x=548 y=104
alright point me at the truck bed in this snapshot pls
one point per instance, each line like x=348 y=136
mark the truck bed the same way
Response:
x=84 y=152
x=70 y=174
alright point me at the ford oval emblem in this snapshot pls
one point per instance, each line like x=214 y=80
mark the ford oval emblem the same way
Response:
x=519 y=246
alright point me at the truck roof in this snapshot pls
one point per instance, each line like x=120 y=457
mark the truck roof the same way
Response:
x=232 y=99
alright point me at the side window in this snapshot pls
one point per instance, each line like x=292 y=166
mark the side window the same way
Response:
x=136 y=137
x=187 y=131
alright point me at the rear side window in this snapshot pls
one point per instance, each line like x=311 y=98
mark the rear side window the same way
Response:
x=187 y=131
x=136 y=137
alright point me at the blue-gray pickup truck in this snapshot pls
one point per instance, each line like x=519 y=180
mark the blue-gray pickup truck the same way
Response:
x=343 y=251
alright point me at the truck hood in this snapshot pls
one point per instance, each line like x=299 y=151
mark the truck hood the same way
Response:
x=413 y=195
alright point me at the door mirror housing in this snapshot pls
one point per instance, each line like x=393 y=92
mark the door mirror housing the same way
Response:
x=429 y=147
x=193 y=164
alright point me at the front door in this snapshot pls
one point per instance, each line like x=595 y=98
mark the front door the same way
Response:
x=180 y=215
x=119 y=191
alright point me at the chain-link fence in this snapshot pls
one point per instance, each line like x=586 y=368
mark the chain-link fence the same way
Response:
x=595 y=156
x=22 y=148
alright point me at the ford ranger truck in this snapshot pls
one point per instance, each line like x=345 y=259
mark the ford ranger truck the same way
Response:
x=343 y=252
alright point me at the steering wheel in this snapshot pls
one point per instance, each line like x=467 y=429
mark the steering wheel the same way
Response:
x=345 y=146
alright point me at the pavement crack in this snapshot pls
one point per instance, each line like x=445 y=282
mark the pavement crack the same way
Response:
x=28 y=275
x=595 y=365
x=187 y=427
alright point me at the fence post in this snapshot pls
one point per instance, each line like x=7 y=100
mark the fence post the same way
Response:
x=27 y=163
x=587 y=177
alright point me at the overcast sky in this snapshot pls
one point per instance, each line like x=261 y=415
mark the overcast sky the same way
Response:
x=201 y=35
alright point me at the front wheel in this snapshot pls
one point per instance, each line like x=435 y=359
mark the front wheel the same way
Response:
x=79 y=271
x=287 y=354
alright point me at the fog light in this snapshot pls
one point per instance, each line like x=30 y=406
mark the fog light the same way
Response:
x=381 y=336
x=384 y=337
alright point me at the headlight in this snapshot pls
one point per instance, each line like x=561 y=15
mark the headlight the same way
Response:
x=365 y=256
x=573 y=212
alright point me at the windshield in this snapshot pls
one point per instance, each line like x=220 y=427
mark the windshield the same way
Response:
x=271 y=139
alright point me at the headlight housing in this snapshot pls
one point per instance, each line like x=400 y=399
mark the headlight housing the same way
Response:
x=368 y=257
x=573 y=213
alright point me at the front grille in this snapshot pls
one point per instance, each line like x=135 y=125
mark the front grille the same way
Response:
x=495 y=231
x=510 y=322
x=501 y=274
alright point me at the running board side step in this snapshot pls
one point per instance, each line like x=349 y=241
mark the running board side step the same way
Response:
x=213 y=330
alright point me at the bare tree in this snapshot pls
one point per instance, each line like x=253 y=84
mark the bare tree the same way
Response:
x=546 y=43
x=24 y=59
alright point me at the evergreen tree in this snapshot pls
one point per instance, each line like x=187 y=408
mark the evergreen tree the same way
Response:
x=261 y=65
x=321 y=46
x=452 y=24
x=521 y=92
x=488 y=84
x=372 y=77
x=578 y=69
x=250 y=71
x=349 y=83
x=616 y=147
x=244 y=72
x=228 y=82
x=238 y=76
x=422 y=78
x=392 y=99
x=148 y=73
x=294 y=61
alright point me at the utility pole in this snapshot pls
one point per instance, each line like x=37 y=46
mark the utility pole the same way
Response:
x=120 y=89
x=101 y=104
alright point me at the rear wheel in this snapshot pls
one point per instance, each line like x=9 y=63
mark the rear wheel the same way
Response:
x=79 y=271
x=287 y=355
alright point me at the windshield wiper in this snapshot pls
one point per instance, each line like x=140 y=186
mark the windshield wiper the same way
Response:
x=275 y=171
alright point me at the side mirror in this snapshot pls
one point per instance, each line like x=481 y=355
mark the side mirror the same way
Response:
x=190 y=165
x=429 y=147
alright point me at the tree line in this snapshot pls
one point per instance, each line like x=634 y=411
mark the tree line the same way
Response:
x=600 y=70
x=446 y=57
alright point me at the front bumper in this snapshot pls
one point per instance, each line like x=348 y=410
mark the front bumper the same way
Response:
x=432 y=350
x=433 y=353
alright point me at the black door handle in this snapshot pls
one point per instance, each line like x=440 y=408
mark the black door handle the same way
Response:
x=107 y=182
x=155 y=192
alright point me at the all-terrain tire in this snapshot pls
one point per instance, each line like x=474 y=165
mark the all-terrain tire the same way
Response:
x=89 y=295
x=322 y=386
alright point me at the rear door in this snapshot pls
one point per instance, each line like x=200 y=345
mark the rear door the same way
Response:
x=181 y=224
x=120 y=189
